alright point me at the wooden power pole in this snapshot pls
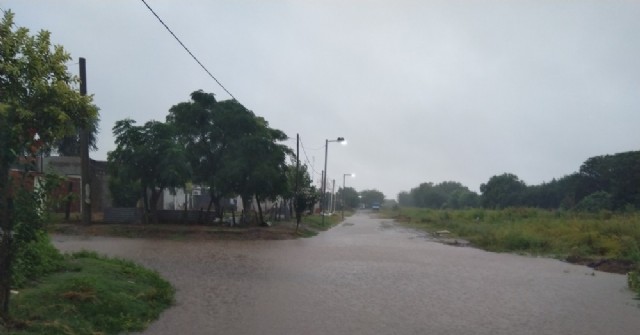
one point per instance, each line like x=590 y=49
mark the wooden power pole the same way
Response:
x=84 y=154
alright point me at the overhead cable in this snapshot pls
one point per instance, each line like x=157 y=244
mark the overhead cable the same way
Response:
x=188 y=51
x=307 y=158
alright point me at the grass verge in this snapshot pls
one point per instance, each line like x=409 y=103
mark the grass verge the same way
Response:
x=607 y=241
x=313 y=224
x=91 y=295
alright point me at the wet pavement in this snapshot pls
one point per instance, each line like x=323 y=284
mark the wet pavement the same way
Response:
x=369 y=276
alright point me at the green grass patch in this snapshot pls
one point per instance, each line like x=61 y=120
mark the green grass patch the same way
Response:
x=562 y=234
x=91 y=295
x=312 y=224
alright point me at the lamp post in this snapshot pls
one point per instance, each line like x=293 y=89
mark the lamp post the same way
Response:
x=324 y=181
x=344 y=177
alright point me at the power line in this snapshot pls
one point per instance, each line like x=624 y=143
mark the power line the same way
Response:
x=316 y=149
x=307 y=157
x=188 y=51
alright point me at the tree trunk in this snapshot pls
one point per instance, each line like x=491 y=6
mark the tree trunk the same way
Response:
x=233 y=216
x=145 y=205
x=273 y=213
x=67 y=209
x=210 y=203
x=5 y=240
x=211 y=200
x=155 y=195
x=219 y=209
x=245 y=202
x=290 y=208
x=262 y=223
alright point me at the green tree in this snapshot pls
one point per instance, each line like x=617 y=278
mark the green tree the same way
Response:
x=70 y=145
x=426 y=196
x=255 y=164
x=618 y=175
x=463 y=198
x=232 y=151
x=405 y=199
x=348 y=197
x=206 y=129
x=595 y=202
x=307 y=195
x=124 y=188
x=149 y=155
x=505 y=190
x=369 y=197
x=37 y=107
x=447 y=194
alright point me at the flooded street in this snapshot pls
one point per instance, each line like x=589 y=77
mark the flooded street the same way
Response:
x=369 y=276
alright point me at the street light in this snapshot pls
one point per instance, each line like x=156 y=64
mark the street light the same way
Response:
x=324 y=181
x=344 y=176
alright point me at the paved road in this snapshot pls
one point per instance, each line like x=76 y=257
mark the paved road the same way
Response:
x=369 y=276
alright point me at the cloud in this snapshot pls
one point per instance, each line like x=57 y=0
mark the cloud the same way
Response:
x=424 y=91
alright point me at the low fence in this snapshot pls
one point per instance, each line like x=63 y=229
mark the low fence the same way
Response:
x=122 y=215
x=135 y=215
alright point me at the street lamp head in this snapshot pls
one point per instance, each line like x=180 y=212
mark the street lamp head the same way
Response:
x=339 y=140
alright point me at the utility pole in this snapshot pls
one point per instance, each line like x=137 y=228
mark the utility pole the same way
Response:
x=296 y=204
x=84 y=154
x=322 y=201
x=323 y=206
x=332 y=208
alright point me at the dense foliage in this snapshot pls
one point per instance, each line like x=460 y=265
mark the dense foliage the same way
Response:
x=447 y=194
x=38 y=106
x=348 y=198
x=609 y=182
x=149 y=157
x=370 y=197
x=218 y=144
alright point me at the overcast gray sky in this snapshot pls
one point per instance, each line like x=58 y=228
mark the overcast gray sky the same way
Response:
x=424 y=91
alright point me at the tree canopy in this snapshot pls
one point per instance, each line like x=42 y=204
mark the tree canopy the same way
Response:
x=502 y=191
x=348 y=197
x=448 y=194
x=38 y=106
x=150 y=157
x=608 y=182
x=70 y=145
x=369 y=197
x=223 y=145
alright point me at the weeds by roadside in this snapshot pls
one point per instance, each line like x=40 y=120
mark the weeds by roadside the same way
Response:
x=605 y=240
x=90 y=295
x=312 y=224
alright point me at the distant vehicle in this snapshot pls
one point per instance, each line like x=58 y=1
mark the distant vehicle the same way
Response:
x=375 y=206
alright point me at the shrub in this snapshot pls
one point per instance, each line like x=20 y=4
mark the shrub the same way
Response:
x=595 y=202
x=34 y=259
x=33 y=254
x=518 y=241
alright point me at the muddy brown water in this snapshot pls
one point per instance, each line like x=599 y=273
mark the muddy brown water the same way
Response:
x=369 y=276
